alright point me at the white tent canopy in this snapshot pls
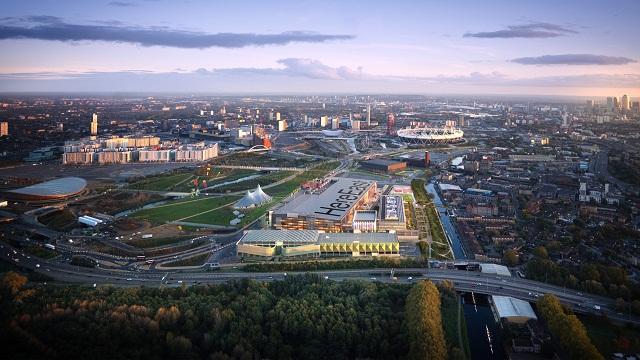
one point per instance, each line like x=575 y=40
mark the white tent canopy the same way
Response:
x=252 y=198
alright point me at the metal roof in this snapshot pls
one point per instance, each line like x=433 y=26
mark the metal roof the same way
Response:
x=357 y=237
x=495 y=269
x=66 y=186
x=508 y=307
x=333 y=203
x=284 y=236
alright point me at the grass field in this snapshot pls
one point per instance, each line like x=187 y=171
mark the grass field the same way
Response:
x=219 y=177
x=191 y=261
x=155 y=242
x=189 y=210
x=182 y=209
x=250 y=184
x=162 y=182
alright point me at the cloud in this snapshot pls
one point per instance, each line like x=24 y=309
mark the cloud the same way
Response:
x=530 y=31
x=55 y=29
x=574 y=59
x=121 y=4
x=298 y=67
x=299 y=74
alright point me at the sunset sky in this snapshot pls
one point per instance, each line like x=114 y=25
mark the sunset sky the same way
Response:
x=578 y=47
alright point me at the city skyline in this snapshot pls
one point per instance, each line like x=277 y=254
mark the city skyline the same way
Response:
x=307 y=47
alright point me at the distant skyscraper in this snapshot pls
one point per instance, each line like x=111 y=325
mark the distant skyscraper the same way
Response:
x=610 y=104
x=625 y=103
x=590 y=104
x=616 y=103
x=4 y=128
x=368 y=115
x=391 y=122
x=335 y=123
x=94 y=125
x=324 y=121
x=277 y=116
x=461 y=120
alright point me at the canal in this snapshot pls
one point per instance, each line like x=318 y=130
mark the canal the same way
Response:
x=485 y=334
x=449 y=228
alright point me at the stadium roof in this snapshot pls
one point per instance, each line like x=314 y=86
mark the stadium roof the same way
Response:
x=275 y=236
x=57 y=188
x=513 y=309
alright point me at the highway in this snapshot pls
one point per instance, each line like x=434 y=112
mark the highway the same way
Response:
x=465 y=281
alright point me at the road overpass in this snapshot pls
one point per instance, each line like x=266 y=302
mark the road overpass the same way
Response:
x=466 y=281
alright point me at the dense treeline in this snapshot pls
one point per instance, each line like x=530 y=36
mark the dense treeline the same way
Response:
x=569 y=333
x=424 y=322
x=598 y=279
x=303 y=317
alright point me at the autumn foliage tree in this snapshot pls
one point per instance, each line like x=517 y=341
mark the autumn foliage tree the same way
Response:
x=567 y=329
x=424 y=323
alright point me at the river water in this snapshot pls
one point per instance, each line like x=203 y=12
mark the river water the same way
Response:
x=485 y=334
x=450 y=230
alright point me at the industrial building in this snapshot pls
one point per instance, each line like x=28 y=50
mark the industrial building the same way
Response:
x=512 y=310
x=330 y=209
x=312 y=243
x=384 y=165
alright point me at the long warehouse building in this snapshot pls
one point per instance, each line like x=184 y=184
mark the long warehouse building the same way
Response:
x=261 y=244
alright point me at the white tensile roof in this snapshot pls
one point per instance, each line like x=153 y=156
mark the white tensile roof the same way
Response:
x=252 y=198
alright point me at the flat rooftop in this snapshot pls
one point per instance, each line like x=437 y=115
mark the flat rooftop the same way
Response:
x=391 y=208
x=334 y=203
x=382 y=162
x=365 y=215
x=349 y=238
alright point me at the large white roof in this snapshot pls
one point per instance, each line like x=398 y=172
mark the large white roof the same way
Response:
x=512 y=308
x=253 y=198
x=495 y=269
x=59 y=187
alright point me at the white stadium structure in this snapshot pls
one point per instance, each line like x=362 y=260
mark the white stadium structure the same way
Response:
x=430 y=135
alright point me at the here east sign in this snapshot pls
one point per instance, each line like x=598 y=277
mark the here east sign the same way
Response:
x=340 y=197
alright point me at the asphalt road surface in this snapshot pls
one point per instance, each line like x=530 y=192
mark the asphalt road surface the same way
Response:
x=463 y=280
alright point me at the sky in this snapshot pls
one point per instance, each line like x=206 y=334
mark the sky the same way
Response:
x=569 y=47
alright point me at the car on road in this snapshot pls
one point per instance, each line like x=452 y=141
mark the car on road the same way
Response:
x=179 y=281
x=37 y=265
x=410 y=278
x=129 y=279
x=326 y=277
x=374 y=279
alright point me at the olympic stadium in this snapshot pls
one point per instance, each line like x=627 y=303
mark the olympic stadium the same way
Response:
x=57 y=189
x=431 y=135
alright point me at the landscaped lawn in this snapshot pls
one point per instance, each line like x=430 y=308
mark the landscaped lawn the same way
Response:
x=162 y=182
x=180 y=209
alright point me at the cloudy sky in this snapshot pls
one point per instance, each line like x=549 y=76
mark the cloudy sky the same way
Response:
x=569 y=47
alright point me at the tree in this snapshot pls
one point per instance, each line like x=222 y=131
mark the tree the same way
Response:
x=510 y=258
x=567 y=330
x=424 y=322
x=541 y=252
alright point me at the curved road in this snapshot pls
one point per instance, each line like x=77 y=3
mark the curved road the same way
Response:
x=463 y=280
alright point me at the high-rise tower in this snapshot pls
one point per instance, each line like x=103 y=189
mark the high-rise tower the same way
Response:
x=94 y=125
